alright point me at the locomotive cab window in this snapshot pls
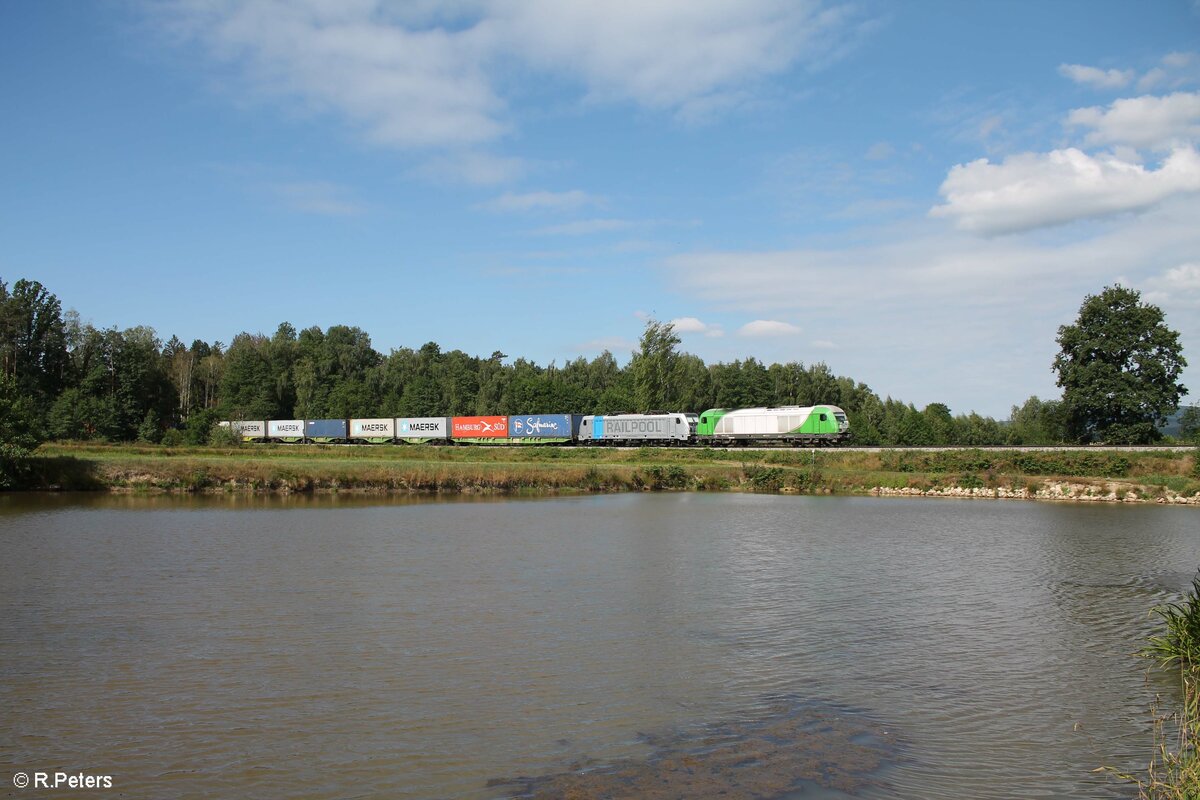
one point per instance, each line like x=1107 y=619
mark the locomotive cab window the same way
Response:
x=824 y=418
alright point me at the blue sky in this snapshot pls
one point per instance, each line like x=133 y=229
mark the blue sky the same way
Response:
x=917 y=194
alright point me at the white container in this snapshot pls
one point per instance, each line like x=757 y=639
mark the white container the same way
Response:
x=373 y=428
x=285 y=429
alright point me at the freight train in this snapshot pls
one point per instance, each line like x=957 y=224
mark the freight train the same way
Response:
x=813 y=426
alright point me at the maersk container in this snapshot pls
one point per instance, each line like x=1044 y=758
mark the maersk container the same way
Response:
x=285 y=430
x=540 y=426
x=420 y=429
x=249 y=429
x=373 y=430
x=325 y=430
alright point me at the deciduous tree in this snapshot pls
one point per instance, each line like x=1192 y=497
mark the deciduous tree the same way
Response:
x=1119 y=369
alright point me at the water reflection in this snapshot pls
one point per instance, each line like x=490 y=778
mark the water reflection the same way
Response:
x=231 y=645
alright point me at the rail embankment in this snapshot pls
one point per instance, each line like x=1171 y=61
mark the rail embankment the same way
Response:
x=1125 y=476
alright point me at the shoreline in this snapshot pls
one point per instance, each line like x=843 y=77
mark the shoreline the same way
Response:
x=1123 y=477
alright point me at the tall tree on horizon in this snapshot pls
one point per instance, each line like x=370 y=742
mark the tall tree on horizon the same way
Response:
x=1119 y=369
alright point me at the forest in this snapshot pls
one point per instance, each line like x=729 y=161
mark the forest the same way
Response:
x=65 y=379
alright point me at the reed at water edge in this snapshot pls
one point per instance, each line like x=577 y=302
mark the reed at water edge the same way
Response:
x=1174 y=769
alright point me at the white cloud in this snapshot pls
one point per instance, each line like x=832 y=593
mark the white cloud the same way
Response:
x=1151 y=79
x=543 y=200
x=474 y=168
x=402 y=87
x=1179 y=60
x=1035 y=190
x=669 y=53
x=317 y=197
x=880 y=151
x=1156 y=123
x=424 y=75
x=584 y=227
x=768 y=327
x=1177 y=288
x=694 y=325
x=1097 y=78
x=930 y=314
x=617 y=345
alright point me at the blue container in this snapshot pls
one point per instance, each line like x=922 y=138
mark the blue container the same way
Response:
x=325 y=428
x=539 y=426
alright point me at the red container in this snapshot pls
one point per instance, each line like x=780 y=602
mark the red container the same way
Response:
x=479 y=427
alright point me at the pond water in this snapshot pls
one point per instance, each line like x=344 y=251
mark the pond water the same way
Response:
x=666 y=645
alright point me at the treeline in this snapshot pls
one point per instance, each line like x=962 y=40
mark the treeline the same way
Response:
x=66 y=379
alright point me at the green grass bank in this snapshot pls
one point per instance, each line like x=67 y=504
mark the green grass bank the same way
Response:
x=1126 y=476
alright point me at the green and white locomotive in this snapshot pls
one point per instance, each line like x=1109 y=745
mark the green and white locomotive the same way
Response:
x=796 y=425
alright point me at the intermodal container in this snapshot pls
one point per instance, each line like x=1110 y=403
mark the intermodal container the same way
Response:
x=539 y=426
x=479 y=427
x=285 y=429
x=423 y=428
x=253 y=429
x=373 y=428
x=325 y=428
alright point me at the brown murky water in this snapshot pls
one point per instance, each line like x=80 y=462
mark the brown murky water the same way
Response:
x=619 y=646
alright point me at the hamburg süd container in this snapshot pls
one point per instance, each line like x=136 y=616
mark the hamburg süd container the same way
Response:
x=479 y=427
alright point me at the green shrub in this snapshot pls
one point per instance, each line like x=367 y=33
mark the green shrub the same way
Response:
x=764 y=478
x=223 y=436
x=970 y=480
x=657 y=477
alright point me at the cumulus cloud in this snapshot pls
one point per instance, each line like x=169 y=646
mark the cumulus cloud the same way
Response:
x=1003 y=297
x=422 y=75
x=1097 y=78
x=768 y=327
x=694 y=325
x=923 y=269
x=540 y=201
x=670 y=53
x=1178 y=287
x=1155 y=123
x=1035 y=190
